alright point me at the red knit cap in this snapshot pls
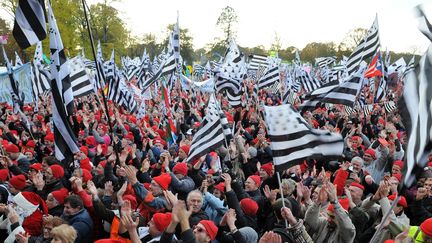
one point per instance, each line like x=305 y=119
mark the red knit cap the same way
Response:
x=256 y=179
x=86 y=175
x=108 y=241
x=132 y=119
x=399 y=163
x=249 y=206
x=220 y=187
x=181 y=168
x=36 y=166
x=57 y=171
x=103 y=127
x=12 y=148
x=60 y=195
x=164 y=180
x=268 y=168
x=49 y=137
x=4 y=173
x=31 y=144
x=426 y=227
x=371 y=152
x=18 y=182
x=185 y=149
x=344 y=202
x=91 y=141
x=358 y=185
x=161 y=220
x=84 y=149
x=402 y=201
x=210 y=227
x=129 y=137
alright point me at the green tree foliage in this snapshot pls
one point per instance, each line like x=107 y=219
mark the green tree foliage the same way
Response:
x=226 y=21
x=314 y=50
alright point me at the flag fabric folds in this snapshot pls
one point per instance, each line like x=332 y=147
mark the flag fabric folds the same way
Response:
x=29 y=26
x=62 y=95
x=292 y=140
x=80 y=80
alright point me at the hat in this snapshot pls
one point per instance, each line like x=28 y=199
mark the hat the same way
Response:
x=28 y=151
x=220 y=187
x=132 y=200
x=90 y=140
x=162 y=220
x=399 y=163
x=49 y=137
x=256 y=179
x=132 y=119
x=31 y=144
x=60 y=195
x=84 y=149
x=185 y=149
x=57 y=171
x=383 y=142
x=164 y=180
x=4 y=173
x=426 y=227
x=30 y=201
x=249 y=206
x=252 y=152
x=36 y=166
x=398 y=177
x=108 y=240
x=18 y=182
x=268 y=168
x=181 y=168
x=12 y=148
x=86 y=175
x=103 y=127
x=358 y=185
x=129 y=136
x=371 y=152
x=210 y=172
x=355 y=138
x=210 y=228
x=402 y=201
x=344 y=202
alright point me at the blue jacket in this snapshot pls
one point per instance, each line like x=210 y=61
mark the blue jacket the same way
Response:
x=214 y=207
x=83 y=225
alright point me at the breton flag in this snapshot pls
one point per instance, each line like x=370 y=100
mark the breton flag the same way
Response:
x=101 y=70
x=323 y=62
x=18 y=62
x=167 y=67
x=234 y=99
x=80 y=80
x=414 y=106
x=270 y=77
x=41 y=76
x=29 y=26
x=257 y=61
x=210 y=134
x=367 y=48
x=62 y=95
x=409 y=68
x=292 y=140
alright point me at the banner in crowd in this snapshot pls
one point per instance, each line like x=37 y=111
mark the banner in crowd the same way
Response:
x=23 y=78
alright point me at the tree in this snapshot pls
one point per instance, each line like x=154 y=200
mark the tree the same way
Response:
x=226 y=21
x=277 y=43
x=9 y=6
x=314 y=50
x=352 y=39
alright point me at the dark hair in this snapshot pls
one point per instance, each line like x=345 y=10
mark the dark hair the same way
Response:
x=74 y=201
x=50 y=160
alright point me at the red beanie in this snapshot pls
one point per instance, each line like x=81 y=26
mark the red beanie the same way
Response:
x=162 y=220
x=49 y=137
x=426 y=227
x=249 y=206
x=132 y=200
x=402 y=201
x=60 y=195
x=36 y=166
x=132 y=119
x=256 y=179
x=18 y=182
x=220 y=187
x=12 y=148
x=4 y=173
x=398 y=177
x=57 y=171
x=344 y=202
x=103 y=127
x=31 y=144
x=86 y=175
x=164 y=180
x=358 y=185
x=268 y=168
x=185 y=149
x=399 y=163
x=91 y=141
x=30 y=201
x=210 y=227
x=371 y=152
x=129 y=136
x=181 y=168
x=84 y=149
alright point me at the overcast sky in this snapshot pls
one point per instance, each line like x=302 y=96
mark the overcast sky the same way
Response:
x=296 y=22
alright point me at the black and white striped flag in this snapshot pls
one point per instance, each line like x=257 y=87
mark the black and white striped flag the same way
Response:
x=210 y=134
x=367 y=109
x=167 y=67
x=389 y=106
x=410 y=67
x=41 y=76
x=62 y=95
x=234 y=99
x=323 y=62
x=367 y=48
x=29 y=26
x=271 y=76
x=18 y=62
x=257 y=61
x=292 y=140
x=80 y=80
x=414 y=106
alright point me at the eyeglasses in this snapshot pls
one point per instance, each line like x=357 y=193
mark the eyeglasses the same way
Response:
x=199 y=229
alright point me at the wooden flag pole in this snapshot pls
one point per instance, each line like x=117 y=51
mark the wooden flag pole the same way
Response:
x=98 y=69
x=282 y=196
x=384 y=219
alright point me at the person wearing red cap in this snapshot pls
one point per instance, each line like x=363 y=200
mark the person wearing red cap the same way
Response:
x=101 y=135
x=52 y=182
x=337 y=227
x=18 y=158
x=17 y=184
x=374 y=162
x=181 y=183
x=156 y=227
x=422 y=233
x=183 y=152
x=55 y=201
x=397 y=167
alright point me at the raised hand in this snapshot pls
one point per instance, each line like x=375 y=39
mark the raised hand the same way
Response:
x=270 y=237
x=92 y=188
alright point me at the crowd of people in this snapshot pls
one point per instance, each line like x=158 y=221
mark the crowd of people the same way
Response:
x=132 y=184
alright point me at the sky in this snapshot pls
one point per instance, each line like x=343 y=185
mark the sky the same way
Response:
x=296 y=23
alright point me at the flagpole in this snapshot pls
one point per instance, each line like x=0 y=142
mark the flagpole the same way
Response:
x=282 y=196
x=98 y=69
x=384 y=219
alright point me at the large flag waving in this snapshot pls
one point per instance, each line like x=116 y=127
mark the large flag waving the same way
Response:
x=29 y=26
x=292 y=140
x=62 y=95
